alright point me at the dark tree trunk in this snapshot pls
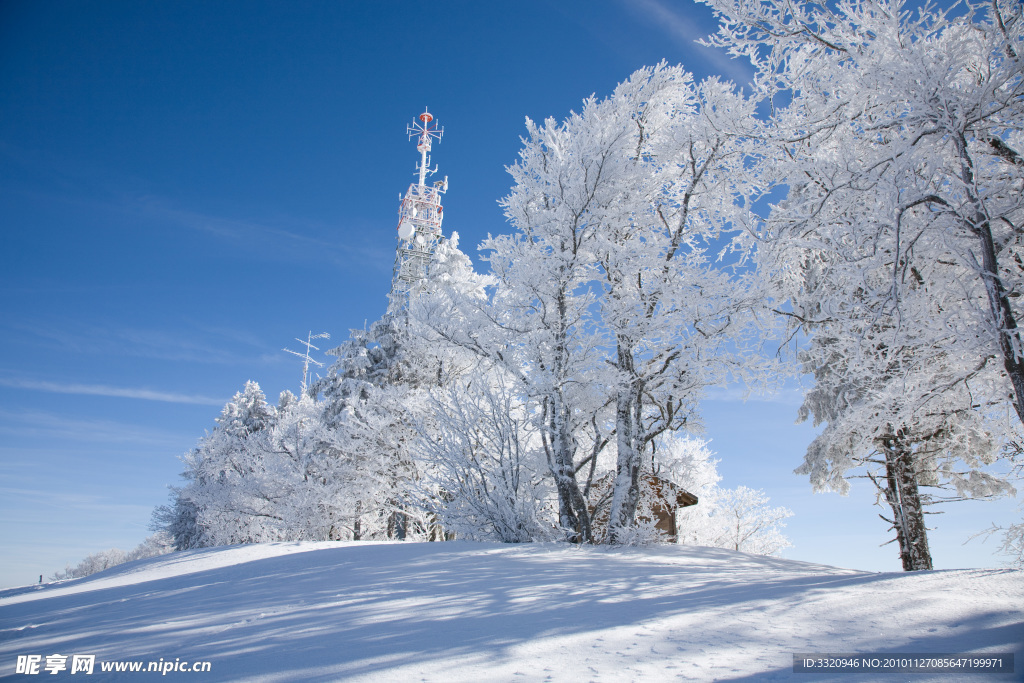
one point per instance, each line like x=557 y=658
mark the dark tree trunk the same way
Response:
x=356 y=526
x=572 y=508
x=901 y=492
x=979 y=223
x=397 y=524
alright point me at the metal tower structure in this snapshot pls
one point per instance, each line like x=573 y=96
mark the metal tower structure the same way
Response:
x=306 y=357
x=419 y=217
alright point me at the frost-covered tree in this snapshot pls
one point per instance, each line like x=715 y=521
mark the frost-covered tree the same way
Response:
x=221 y=502
x=897 y=247
x=483 y=462
x=154 y=545
x=303 y=476
x=899 y=148
x=738 y=519
x=159 y=543
x=1011 y=534
x=180 y=519
x=887 y=422
x=1013 y=544
x=747 y=522
x=91 y=564
x=298 y=472
x=380 y=469
x=373 y=397
x=606 y=297
x=532 y=321
x=679 y=319
x=902 y=407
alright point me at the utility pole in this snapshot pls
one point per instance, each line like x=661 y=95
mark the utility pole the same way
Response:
x=306 y=359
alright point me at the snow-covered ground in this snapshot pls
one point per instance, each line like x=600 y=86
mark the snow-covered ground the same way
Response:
x=465 y=611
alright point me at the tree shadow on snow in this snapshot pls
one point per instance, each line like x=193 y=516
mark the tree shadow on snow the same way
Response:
x=359 y=610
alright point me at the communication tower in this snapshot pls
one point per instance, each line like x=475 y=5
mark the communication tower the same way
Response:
x=419 y=216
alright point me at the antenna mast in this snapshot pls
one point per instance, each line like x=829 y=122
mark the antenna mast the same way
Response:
x=419 y=217
x=306 y=359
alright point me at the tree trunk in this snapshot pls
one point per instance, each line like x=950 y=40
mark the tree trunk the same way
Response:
x=397 y=523
x=356 y=526
x=626 y=494
x=903 y=497
x=572 y=508
x=1003 y=319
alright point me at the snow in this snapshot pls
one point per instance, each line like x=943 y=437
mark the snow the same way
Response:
x=462 y=611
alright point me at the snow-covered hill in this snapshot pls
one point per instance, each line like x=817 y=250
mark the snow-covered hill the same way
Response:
x=465 y=611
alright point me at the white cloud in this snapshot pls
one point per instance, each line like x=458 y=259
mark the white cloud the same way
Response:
x=790 y=394
x=267 y=238
x=198 y=343
x=105 y=390
x=688 y=31
x=35 y=425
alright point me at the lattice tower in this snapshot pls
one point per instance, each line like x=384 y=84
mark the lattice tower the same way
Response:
x=419 y=217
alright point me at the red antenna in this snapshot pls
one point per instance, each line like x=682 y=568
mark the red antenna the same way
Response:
x=425 y=134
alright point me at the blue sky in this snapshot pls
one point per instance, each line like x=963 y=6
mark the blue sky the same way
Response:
x=187 y=186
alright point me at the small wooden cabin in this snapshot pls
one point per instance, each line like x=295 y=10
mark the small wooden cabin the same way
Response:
x=664 y=497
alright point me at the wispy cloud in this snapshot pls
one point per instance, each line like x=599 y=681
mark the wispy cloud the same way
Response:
x=36 y=432
x=101 y=190
x=313 y=241
x=688 y=31
x=82 y=502
x=790 y=394
x=197 y=344
x=105 y=390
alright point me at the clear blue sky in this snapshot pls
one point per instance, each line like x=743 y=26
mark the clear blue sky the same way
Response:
x=187 y=186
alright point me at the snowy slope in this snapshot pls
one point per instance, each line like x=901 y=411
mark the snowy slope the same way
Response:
x=465 y=611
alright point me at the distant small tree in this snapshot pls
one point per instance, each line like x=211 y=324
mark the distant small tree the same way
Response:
x=739 y=519
x=1012 y=534
x=747 y=522
x=160 y=543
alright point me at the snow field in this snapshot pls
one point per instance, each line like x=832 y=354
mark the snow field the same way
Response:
x=464 y=611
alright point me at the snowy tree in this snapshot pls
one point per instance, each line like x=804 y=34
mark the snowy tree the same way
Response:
x=900 y=407
x=607 y=299
x=678 y=319
x=159 y=543
x=156 y=544
x=748 y=524
x=534 y=325
x=483 y=462
x=738 y=519
x=303 y=477
x=372 y=398
x=390 y=352
x=180 y=519
x=91 y=564
x=867 y=395
x=898 y=149
x=898 y=245
x=221 y=503
x=379 y=432
x=1011 y=542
